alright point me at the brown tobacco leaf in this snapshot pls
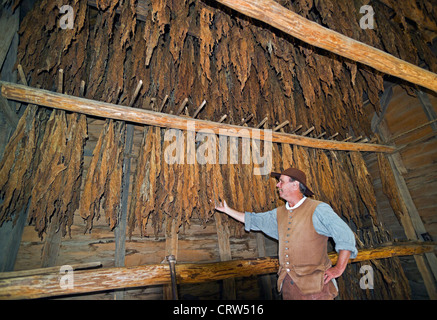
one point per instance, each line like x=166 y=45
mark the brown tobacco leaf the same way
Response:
x=98 y=54
x=206 y=43
x=113 y=187
x=57 y=180
x=241 y=50
x=179 y=28
x=76 y=136
x=151 y=36
x=325 y=179
x=364 y=183
x=102 y=187
x=347 y=198
x=389 y=186
x=47 y=177
x=145 y=195
x=128 y=21
x=19 y=161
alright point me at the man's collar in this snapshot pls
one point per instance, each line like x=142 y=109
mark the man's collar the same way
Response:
x=287 y=206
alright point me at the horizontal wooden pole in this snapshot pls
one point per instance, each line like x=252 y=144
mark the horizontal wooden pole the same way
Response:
x=310 y=32
x=39 y=286
x=107 y=110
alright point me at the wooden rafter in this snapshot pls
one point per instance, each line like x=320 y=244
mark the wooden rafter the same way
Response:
x=310 y=32
x=39 y=286
x=107 y=110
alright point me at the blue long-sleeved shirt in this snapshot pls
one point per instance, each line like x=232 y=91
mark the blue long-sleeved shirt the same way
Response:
x=326 y=222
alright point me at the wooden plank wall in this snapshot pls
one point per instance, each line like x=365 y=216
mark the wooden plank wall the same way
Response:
x=419 y=156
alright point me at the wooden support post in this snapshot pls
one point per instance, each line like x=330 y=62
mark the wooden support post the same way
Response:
x=279 y=17
x=39 y=286
x=171 y=249
x=222 y=227
x=120 y=229
x=53 y=239
x=52 y=244
x=112 y=111
x=266 y=284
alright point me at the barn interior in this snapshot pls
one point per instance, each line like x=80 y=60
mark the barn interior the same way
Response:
x=123 y=123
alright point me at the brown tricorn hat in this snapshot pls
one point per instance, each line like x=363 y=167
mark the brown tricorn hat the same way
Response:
x=297 y=175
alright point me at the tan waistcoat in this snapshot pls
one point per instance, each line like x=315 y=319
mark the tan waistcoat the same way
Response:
x=302 y=251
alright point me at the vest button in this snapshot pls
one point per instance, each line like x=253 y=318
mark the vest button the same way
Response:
x=288 y=270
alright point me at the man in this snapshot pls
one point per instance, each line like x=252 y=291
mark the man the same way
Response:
x=302 y=226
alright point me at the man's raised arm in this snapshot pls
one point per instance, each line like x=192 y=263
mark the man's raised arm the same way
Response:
x=223 y=207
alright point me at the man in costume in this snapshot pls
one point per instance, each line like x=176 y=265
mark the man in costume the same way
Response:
x=302 y=227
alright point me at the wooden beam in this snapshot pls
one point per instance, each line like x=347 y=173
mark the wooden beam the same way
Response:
x=49 y=270
x=310 y=32
x=107 y=110
x=117 y=278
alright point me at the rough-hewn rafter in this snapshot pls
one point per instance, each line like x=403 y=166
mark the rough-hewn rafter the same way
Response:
x=310 y=32
x=112 y=111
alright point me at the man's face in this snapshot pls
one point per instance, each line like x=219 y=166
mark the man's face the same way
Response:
x=286 y=187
